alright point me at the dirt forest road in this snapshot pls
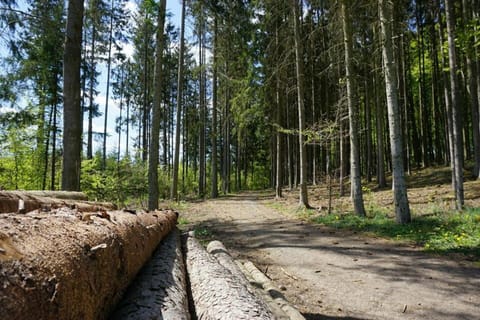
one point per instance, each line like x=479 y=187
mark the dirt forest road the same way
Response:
x=333 y=274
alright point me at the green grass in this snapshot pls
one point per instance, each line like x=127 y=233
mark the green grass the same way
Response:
x=203 y=235
x=442 y=233
x=183 y=221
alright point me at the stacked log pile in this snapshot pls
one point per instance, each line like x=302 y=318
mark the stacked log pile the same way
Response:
x=69 y=263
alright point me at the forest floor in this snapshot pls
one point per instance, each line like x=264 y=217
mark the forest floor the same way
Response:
x=331 y=273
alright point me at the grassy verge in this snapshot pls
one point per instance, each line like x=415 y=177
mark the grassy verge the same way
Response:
x=442 y=233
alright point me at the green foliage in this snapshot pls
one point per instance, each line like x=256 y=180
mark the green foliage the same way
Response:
x=17 y=162
x=204 y=235
x=440 y=233
x=183 y=221
x=122 y=183
x=260 y=179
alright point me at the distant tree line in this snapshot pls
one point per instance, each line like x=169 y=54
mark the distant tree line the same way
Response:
x=246 y=95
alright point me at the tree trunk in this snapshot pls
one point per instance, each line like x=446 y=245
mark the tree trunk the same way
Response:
x=203 y=107
x=301 y=106
x=160 y=290
x=54 y=135
x=216 y=293
x=278 y=136
x=72 y=112
x=214 y=156
x=353 y=115
x=153 y=189
x=109 y=65
x=91 y=90
x=448 y=103
x=45 y=156
x=472 y=89
x=456 y=107
x=174 y=191
x=63 y=266
x=402 y=209
x=379 y=118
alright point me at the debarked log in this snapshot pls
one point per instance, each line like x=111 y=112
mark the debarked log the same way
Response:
x=272 y=290
x=221 y=254
x=159 y=291
x=61 y=265
x=26 y=201
x=216 y=293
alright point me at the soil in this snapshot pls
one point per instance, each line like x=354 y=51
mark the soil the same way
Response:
x=337 y=274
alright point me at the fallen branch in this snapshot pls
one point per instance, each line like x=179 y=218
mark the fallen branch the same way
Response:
x=288 y=274
x=57 y=266
x=216 y=293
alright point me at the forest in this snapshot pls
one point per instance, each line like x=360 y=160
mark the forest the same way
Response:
x=241 y=95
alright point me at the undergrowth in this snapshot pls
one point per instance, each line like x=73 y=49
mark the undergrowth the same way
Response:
x=444 y=233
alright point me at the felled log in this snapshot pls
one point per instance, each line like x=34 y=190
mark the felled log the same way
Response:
x=65 y=265
x=273 y=291
x=26 y=201
x=221 y=254
x=216 y=293
x=71 y=195
x=264 y=295
x=218 y=250
x=159 y=291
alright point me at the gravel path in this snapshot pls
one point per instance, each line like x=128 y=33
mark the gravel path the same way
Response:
x=334 y=274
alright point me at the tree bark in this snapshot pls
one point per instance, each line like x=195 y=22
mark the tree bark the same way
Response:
x=278 y=136
x=107 y=94
x=176 y=159
x=472 y=89
x=301 y=104
x=214 y=156
x=153 y=189
x=381 y=180
x=402 y=209
x=72 y=113
x=448 y=104
x=160 y=290
x=202 y=113
x=353 y=116
x=64 y=266
x=456 y=107
x=216 y=293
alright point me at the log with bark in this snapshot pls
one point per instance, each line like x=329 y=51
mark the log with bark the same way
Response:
x=159 y=291
x=216 y=292
x=26 y=201
x=65 y=264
